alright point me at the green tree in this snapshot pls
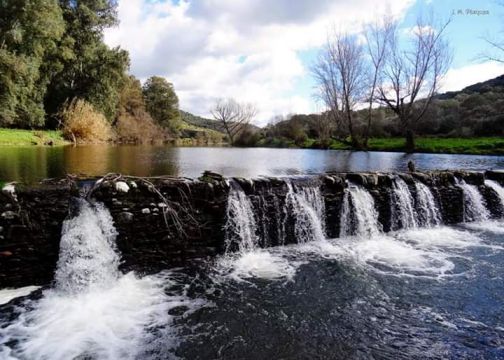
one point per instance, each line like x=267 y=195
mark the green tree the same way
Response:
x=29 y=33
x=86 y=67
x=162 y=102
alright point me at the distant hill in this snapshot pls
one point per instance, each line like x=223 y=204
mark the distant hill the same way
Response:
x=199 y=121
x=492 y=85
x=202 y=122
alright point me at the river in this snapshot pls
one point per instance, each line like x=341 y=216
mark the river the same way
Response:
x=29 y=164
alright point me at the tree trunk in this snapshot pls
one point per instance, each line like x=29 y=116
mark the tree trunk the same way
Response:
x=410 y=141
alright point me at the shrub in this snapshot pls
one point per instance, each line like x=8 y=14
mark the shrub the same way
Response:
x=80 y=122
x=138 y=129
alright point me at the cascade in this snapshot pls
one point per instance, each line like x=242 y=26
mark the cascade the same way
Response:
x=499 y=190
x=88 y=257
x=93 y=311
x=474 y=204
x=240 y=225
x=358 y=213
x=427 y=209
x=306 y=205
x=403 y=209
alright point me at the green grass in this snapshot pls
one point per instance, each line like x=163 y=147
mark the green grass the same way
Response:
x=476 y=146
x=16 y=137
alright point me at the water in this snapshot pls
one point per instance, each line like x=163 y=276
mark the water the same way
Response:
x=241 y=224
x=34 y=163
x=430 y=292
x=93 y=311
x=499 y=190
x=428 y=211
x=403 y=213
x=306 y=205
x=359 y=216
x=474 y=204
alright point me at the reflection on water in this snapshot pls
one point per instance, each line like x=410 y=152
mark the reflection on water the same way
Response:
x=30 y=164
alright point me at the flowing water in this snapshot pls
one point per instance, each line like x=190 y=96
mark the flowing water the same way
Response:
x=499 y=190
x=426 y=291
x=306 y=205
x=403 y=208
x=474 y=204
x=93 y=311
x=428 y=211
x=358 y=215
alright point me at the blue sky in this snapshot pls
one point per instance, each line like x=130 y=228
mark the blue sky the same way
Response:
x=261 y=51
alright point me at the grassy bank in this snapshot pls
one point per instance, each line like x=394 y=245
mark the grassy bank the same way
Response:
x=476 y=146
x=16 y=137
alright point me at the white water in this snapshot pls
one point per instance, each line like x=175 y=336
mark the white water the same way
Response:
x=428 y=211
x=358 y=213
x=93 y=311
x=88 y=257
x=403 y=208
x=240 y=224
x=308 y=210
x=499 y=190
x=250 y=260
x=474 y=204
x=7 y=295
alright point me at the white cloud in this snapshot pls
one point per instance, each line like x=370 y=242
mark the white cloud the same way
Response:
x=459 y=78
x=244 y=49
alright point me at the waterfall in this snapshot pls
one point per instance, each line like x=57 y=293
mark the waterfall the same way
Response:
x=499 y=190
x=427 y=209
x=474 y=204
x=402 y=206
x=358 y=213
x=240 y=225
x=88 y=257
x=93 y=311
x=307 y=207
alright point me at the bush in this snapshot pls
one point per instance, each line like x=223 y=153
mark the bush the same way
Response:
x=138 y=129
x=80 y=122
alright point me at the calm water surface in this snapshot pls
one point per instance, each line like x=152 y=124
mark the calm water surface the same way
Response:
x=34 y=163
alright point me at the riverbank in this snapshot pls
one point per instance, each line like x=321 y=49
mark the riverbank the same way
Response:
x=435 y=145
x=18 y=137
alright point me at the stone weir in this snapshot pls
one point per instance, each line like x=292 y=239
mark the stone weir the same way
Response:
x=166 y=222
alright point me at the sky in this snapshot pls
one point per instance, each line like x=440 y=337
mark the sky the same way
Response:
x=261 y=51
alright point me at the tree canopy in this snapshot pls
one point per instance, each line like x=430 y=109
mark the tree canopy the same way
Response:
x=162 y=102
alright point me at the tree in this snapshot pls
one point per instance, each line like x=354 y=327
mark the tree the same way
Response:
x=29 y=33
x=85 y=67
x=162 y=102
x=133 y=124
x=496 y=45
x=340 y=76
x=413 y=73
x=234 y=116
x=377 y=37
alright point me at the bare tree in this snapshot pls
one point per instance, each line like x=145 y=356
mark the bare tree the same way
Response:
x=340 y=76
x=414 y=73
x=234 y=116
x=496 y=50
x=377 y=37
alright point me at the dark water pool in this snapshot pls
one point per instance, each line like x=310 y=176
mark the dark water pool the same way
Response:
x=29 y=164
x=404 y=296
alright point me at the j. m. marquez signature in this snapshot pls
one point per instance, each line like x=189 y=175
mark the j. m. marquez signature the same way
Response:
x=470 y=12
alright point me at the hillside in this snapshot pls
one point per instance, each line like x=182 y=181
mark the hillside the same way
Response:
x=492 y=85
